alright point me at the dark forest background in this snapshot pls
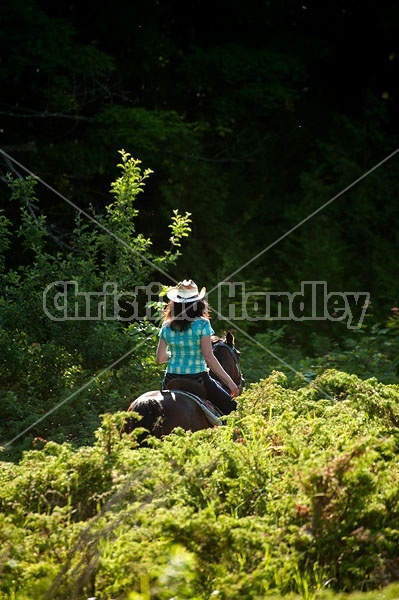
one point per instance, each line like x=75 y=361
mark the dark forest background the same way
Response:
x=255 y=120
x=251 y=116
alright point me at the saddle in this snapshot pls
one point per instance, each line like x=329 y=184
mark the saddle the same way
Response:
x=188 y=385
x=197 y=392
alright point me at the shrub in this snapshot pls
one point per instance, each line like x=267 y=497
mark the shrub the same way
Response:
x=295 y=497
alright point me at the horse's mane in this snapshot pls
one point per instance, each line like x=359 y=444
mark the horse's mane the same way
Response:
x=217 y=338
x=226 y=338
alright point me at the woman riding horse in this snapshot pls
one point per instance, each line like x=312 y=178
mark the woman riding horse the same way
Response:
x=185 y=344
x=192 y=348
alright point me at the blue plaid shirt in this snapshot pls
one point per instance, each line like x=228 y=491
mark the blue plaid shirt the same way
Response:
x=186 y=356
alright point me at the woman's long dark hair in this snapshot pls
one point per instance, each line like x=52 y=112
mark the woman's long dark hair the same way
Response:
x=182 y=314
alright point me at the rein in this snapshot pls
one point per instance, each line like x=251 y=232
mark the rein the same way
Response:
x=241 y=380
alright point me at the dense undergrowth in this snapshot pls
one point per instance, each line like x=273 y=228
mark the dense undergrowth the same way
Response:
x=296 y=496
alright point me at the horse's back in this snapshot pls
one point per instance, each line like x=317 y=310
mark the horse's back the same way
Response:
x=153 y=396
x=163 y=411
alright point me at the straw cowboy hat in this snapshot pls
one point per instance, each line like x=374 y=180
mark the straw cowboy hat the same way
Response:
x=186 y=291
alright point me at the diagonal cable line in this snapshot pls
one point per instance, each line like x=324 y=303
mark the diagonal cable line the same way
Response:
x=62 y=402
x=232 y=324
x=88 y=216
x=315 y=212
x=284 y=236
x=75 y=393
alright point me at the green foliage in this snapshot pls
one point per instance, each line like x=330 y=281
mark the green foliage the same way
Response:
x=5 y=234
x=76 y=337
x=255 y=80
x=64 y=72
x=235 y=125
x=343 y=227
x=370 y=351
x=122 y=213
x=295 y=497
x=180 y=227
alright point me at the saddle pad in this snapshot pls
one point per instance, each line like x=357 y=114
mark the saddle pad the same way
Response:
x=210 y=411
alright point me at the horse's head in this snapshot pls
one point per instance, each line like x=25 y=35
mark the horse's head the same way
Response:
x=229 y=357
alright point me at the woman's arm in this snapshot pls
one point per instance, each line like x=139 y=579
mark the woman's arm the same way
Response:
x=162 y=355
x=216 y=367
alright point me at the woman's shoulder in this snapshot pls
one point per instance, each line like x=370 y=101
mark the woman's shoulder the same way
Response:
x=165 y=326
x=203 y=324
x=202 y=321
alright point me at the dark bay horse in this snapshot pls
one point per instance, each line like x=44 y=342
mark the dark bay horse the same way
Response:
x=161 y=411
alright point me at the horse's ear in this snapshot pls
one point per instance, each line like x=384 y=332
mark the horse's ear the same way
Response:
x=229 y=339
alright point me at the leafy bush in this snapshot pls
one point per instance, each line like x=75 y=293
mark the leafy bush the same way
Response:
x=295 y=497
x=371 y=351
x=54 y=367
